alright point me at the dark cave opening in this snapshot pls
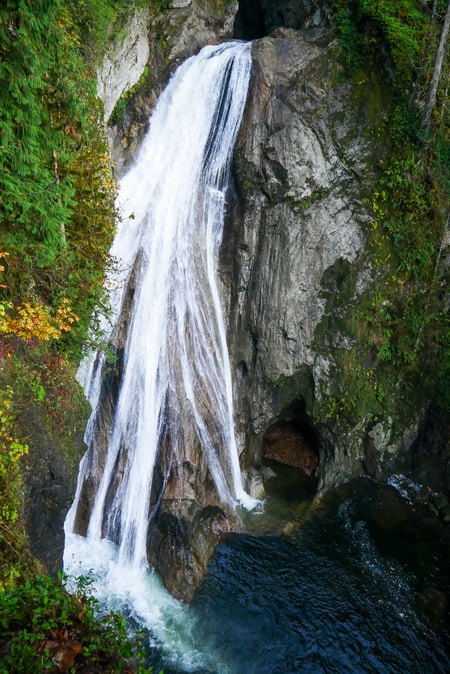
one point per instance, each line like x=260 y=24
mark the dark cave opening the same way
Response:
x=257 y=18
x=249 y=23
x=290 y=447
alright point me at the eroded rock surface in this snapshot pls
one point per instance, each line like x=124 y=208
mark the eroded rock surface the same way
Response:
x=292 y=258
x=125 y=60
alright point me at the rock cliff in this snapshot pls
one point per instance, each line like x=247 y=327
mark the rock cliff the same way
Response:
x=304 y=164
x=300 y=268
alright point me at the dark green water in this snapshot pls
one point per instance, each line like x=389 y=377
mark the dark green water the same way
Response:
x=360 y=585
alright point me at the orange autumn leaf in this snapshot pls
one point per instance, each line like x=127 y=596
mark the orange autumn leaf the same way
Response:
x=35 y=321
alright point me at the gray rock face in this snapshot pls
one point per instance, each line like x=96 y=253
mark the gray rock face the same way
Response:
x=302 y=162
x=124 y=61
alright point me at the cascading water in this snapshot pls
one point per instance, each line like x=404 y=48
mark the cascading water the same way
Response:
x=176 y=383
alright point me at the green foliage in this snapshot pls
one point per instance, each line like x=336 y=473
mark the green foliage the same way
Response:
x=357 y=395
x=44 y=628
x=352 y=56
x=45 y=383
x=42 y=386
x=406 y=335
x=120 y=108
x=94 y=19
x=402 y=23
x=98 y=21
x=405 y=124
x=402 y=203
x=11 y=450
x=441 y=160
x=37 y=195
x=57 y=213
x=364 y=24
x=400 y=326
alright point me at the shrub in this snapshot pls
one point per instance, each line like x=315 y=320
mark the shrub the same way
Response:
x=44 y=628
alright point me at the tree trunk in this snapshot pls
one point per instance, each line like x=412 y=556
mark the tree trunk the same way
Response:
x=62 y=227
x=433 y=86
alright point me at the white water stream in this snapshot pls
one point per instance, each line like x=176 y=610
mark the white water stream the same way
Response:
x=176 y=371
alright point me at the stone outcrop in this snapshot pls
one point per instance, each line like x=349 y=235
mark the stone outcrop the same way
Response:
x=49 y=472
x=296 y=242
x=124 y=61
x=298 y=264
x=182 y=540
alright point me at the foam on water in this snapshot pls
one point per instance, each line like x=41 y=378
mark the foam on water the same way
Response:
x=140 y=595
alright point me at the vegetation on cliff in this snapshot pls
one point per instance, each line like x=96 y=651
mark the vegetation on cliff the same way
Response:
x=57 y=220
x=401 y=324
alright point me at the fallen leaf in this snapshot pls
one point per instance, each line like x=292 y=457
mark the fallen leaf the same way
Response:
x=65 y=658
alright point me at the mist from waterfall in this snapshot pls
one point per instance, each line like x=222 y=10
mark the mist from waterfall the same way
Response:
x=176 y=381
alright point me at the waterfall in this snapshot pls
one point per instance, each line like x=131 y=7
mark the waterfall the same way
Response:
x=176 y=382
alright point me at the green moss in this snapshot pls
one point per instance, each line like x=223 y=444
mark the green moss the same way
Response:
x=396 y=333
x=218 y=6
x=306 y=203
x=120 y=107
x=398 y=25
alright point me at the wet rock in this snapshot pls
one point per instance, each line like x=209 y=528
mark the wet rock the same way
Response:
x=181 y=541
x=289 y=528
x=444 y=513
x=267 y=473
x=284 y=442
x=434 y=604
x=440 y=507
x=440 y=501
x=49 y=481
x=95 y=457
x=257 y=18
x=428 y=458
x=254 y=483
